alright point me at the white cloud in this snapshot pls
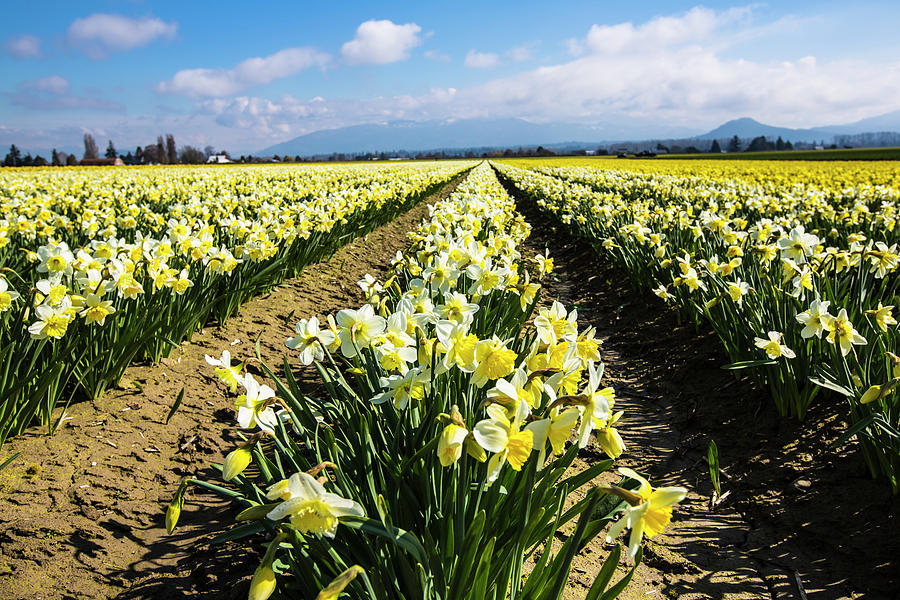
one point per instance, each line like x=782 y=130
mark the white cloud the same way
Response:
x=211 y=83
x=521 y=53
x=52 y=94
x=670 y=71
x=54 y=84
x=24 y=46
x=438 y=56
x=695 y=26
x=102 y=34
x=264 y=117
x=381 y=42
x=481 y=60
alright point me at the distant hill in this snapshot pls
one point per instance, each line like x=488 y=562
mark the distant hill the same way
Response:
x=415 y=136
x=420 y=136
x=750 y=128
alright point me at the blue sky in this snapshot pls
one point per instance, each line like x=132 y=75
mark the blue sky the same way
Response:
x=243 y=76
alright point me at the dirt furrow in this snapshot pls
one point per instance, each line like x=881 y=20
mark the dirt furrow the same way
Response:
x=82 y=512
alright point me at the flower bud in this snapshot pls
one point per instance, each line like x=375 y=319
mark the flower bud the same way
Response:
x=334 y=589
x=872 y=394
x=263 y=583
x=172 y=514
x=235 y=463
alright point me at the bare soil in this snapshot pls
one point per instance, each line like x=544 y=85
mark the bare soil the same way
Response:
x=802 y=520
x=82 y=512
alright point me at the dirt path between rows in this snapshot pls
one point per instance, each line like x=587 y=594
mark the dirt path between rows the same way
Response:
x=803 y=519
x=82 y=512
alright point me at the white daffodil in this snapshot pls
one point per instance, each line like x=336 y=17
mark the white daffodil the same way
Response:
x=310 y=507
x=309 y=340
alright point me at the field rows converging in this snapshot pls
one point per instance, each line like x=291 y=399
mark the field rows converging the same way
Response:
x=442 y=380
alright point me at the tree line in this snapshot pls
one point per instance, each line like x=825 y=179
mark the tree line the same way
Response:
x=163 y=152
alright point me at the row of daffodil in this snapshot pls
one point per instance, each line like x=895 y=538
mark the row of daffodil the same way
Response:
x=85 y=206
x=440 y=456
x=802 y=313
x=839 y=210
x=72 y=318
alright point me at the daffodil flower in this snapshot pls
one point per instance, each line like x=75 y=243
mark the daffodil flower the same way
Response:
x=842 y=333
x=252 y=407
x=814 y=319
x=313 y=509
x=493 y=360
x=505 y=438
x=358 y=329
x=7 y=296
x=53 y=321
x=883 y=317
x=773 y=346
x=229 y=374
x=648 y=513
x=309 y=340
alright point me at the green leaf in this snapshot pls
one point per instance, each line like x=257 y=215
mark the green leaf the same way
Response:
x=398 y=536
x=712 y=456
x=606 y=573
x=9 y=460
x=241 y=531
x=620 y=586
x=176 y=405
x=833 y=386
x=749 y=364
x=857 y=427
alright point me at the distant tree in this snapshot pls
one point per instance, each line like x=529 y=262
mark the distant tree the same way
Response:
x=661 y=147
x=129 y=159
x=54 y=158
x=779 y=143
x=171 y=150
x=40 y=161
x=192 y=156
x=757 y=144
x=90 y=147
x=71 y=161
x=788 y=145
x=298 y=159
x=28 y=161
x=63 y=158
x=160 y=150
x=138 y=156
x=13 y=158
x=692 y=150
x=209 y=151
x=110 y=150
x=715 y=148
x=734 y=145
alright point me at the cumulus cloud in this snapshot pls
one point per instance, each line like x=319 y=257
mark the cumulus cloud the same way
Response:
x=381 y=42
x=52 y=93
x=53 y=84
x=670 y=72
x=481 y=60
x=24 y=46
x=211 y=83
x=262 y=116
x=99 y=35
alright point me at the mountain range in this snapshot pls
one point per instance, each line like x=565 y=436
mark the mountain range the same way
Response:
x=416 y=136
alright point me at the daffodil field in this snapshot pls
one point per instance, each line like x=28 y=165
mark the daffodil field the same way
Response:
x=793 y=266
x=439 y=457
x=102 y=267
